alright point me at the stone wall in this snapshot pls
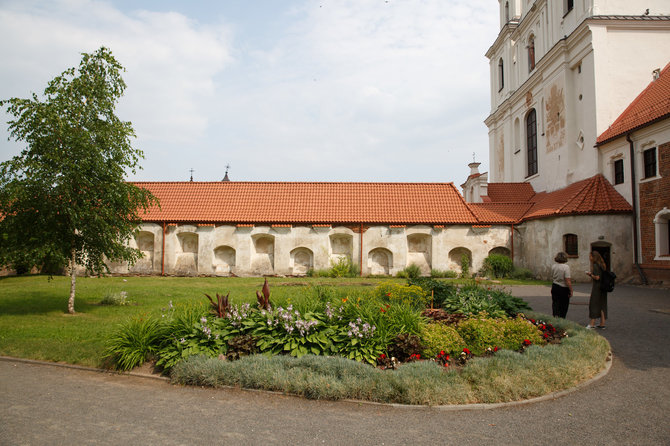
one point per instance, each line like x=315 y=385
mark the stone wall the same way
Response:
x=248 y=250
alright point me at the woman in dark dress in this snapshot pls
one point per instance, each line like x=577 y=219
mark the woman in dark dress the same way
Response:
x=598 y=301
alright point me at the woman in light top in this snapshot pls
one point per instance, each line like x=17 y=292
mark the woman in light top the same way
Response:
x=561 y=287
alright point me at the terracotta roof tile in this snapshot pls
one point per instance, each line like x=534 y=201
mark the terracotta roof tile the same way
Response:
x=510 y=192
x=502 y=213
x=594 y=195
x=307 y=202
x=650 y=105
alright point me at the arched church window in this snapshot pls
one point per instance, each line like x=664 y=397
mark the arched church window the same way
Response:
x=531 y=53
x=531 y=141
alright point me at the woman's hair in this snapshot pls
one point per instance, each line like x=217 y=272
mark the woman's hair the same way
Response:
x=561 y=257
x=597 y=258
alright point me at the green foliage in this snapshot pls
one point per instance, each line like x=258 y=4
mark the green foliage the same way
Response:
x=439 y=337
x=396 y=293
x=134 y=342
x=465 y=265
x=64 y=198
x=412 y=271
x=443 y=274
x=475 y=299
x=119 y=299
x=499 y=265
x=521 y=274
x=441 y=290
x=344 y=267
x=482 y=333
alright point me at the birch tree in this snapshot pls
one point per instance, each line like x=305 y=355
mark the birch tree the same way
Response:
x=64 y=199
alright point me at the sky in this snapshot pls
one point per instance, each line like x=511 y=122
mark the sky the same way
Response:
x=279 y=90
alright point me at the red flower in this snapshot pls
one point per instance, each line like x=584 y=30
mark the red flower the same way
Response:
x=441 y=352
x=466 y=351
x=526 y=342
x=382 y=310
x=382 y=356
x=388 y=294
x=495 y=349
x=546 y=335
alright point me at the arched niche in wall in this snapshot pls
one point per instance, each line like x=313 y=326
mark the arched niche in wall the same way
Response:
x=302 y=260
x=456 y=258
x=501 y=250
x=145 y=243
x=380 y=261
x=419 y=252
x=263 y=254
x=224 y=260
x=341 y=246
x=186 y=261
x=662 y=234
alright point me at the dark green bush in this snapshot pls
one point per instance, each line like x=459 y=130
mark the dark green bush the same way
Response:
x=443 y=274
x=498 y=265
x=475 y=299
x=441 y=290
x=521 y=274
x=404 y=346
x=410 y=272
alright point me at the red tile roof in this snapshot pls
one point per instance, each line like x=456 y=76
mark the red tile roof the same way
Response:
x=510 y=192
x=307 y=202
x=502 y=213
x=593 y=195
x=650 y=106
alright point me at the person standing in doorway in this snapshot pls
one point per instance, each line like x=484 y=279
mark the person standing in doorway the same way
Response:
x=598 y=301
x=561 y=287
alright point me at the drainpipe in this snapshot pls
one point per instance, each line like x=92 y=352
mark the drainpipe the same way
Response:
x=361 y=256
x=633 y=187
x=163 y=253
x=512 y=231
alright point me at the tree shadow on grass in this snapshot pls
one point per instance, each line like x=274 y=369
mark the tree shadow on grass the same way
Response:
x=35 y=302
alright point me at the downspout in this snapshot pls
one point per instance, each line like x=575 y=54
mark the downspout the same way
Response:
x=163 y=253
x=512 y=231
x=633 y=186
x=361 y=256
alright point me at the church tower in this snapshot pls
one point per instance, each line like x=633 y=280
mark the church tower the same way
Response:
x=561 y=71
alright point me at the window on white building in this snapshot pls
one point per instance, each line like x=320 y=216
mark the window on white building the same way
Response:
x=501 y=74
x=649 y=158
x=568 y=5
x=618 y=172
x=531 y=53
x=571 y=245
x=531 y=142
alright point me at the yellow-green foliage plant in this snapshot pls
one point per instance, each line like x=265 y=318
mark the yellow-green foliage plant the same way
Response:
x=439 y=337
x=406 y=294
x=482 y=332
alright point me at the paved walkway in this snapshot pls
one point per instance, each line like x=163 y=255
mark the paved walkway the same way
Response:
x=46 y=405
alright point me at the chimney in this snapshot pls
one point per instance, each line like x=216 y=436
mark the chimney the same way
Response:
x=656 y=73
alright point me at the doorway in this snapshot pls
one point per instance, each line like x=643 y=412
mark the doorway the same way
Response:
x=604 y=250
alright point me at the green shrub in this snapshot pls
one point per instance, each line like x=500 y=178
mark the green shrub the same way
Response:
x=465 y=265
x=439 y=337
x=404 y=346
x=499 y=265
x=134 y=342
x=396 y=293
x=344 y=267
x=443 y=274
x=412 y=271
x=440 y=290
x=521 y=274
x=482 y=333
x=475 y=299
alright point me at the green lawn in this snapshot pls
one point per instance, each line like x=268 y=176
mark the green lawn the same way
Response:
x=34 y=322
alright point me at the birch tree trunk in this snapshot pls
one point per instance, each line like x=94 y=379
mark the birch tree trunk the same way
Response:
x=73 y=282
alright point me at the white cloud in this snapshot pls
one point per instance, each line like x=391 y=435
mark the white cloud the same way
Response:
x=363 y=90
